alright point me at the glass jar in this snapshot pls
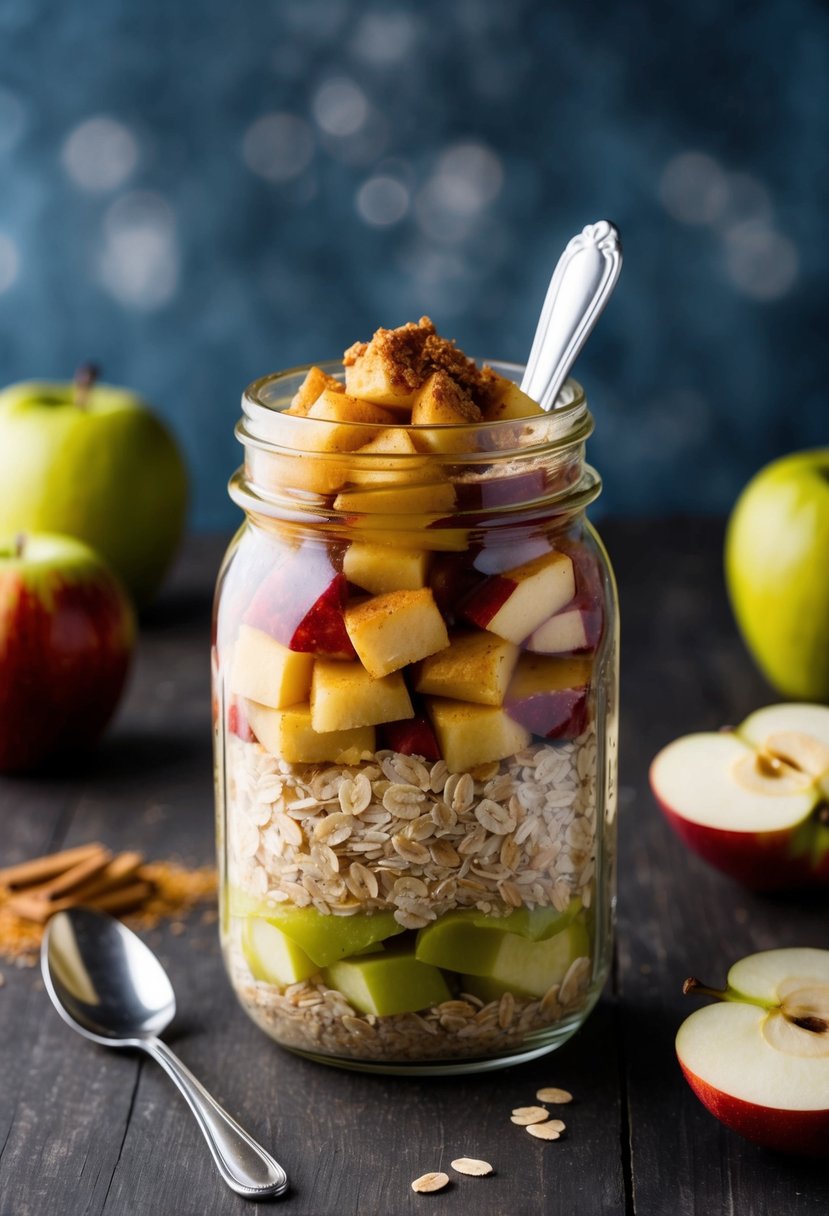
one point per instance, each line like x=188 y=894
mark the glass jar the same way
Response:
x=416 y=841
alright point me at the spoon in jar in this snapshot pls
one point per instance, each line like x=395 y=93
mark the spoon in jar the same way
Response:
x=110 y=987
x=582 y=281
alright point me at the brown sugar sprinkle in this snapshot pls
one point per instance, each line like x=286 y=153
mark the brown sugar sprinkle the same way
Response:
x=144 y=893
x=412 y=352
x=434 y=1181
x=558 y=1097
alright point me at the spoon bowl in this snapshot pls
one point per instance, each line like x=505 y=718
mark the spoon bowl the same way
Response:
x=110 y=987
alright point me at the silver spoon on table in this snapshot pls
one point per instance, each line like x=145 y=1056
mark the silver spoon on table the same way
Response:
x=582 y=281
x=110 y=987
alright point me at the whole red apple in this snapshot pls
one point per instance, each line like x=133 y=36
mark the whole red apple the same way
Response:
x=66 y=635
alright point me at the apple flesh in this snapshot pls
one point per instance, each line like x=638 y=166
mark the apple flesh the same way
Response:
x=759 y=1059
x=752 y=801
x=272 y=956
x=66 y=636
x=91 y=461
x=325 y=938
x=777 y=572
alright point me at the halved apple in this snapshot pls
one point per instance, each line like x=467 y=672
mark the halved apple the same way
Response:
x=759 y=1060
x=752 y=801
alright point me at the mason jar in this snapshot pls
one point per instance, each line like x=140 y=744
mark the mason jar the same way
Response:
x=415 y=668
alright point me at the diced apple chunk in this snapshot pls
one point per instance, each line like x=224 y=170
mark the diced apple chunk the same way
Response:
x=315 y=383
x=549 y=695
x=273 y=957
x=510 y=403
x=344 y=696
x=325 y=938
x=301 y=603
x=393 y=460
x=564 y=633
x=515 y=603
x=347 y=412
x=442 y=402
x=474 y=734
x=380 y=568
x=474 y=667
x=374 y=378
x=422 y=498
x=289 y=734
x=389 y=631
x=388 y=983
x=264 y=670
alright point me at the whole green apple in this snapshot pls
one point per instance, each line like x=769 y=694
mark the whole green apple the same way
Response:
x=91 y=461
x=777 y=572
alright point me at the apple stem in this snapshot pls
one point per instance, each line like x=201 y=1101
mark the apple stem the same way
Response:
x=85 y=378
x=693 y=987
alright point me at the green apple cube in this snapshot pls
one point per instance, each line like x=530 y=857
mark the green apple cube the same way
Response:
x=535 y=923
x=388 y=983
x=272 y=956
x=519 y=965
x=327 y=938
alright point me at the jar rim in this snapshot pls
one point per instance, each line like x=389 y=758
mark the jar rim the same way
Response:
x=569 y=421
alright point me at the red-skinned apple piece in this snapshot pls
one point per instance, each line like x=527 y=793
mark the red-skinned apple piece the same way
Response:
x=412 y=737
x=752 y=801
x=515 y=603
x=67 y=630
x=302 y=602
x=548 y=696
x=759 y=1058
x=237 y=720
x=576 y=628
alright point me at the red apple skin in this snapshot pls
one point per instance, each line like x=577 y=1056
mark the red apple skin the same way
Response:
x=487 y=600
x=237 y=722
x=805 y=1132
x=760 y=861
x=302 y=603
x=67 y=630
x=559 y=714
x=412 y=737
x=452 y=578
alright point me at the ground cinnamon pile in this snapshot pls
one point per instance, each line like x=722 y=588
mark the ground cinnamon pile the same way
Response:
x=123 y=883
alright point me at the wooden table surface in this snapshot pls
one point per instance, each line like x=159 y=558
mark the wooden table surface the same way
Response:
x=87 y=1131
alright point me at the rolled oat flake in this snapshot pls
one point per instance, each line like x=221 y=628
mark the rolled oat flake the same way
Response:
x=434 y=1181
x=470 y=1165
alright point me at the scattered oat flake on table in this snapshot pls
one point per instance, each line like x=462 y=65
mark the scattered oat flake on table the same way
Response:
x=524 y=1115
x=557 y=1096
x=427 y=1183
x=544 y=1131
x=469 y=1165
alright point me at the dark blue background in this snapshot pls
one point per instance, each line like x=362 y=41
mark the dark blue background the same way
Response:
x=197 y=193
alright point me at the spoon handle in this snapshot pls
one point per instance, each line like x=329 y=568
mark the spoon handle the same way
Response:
x=245 y=1166
x=583 y=279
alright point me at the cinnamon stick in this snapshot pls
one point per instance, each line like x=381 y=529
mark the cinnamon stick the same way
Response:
x=117 y=899
x=76 y=876
x=40 y=869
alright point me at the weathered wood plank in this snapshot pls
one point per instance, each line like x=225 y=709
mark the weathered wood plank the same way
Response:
x=684 y=669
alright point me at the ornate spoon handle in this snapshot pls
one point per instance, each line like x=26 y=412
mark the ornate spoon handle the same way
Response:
x=582 y=281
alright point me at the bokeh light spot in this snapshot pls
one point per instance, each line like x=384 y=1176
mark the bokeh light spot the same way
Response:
x=382 y=201
x=384 y=38
x=761 y=262
x=340 y=106
x=100 y=154
x=693 y=188
x=278 y=146
x=139 y=263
